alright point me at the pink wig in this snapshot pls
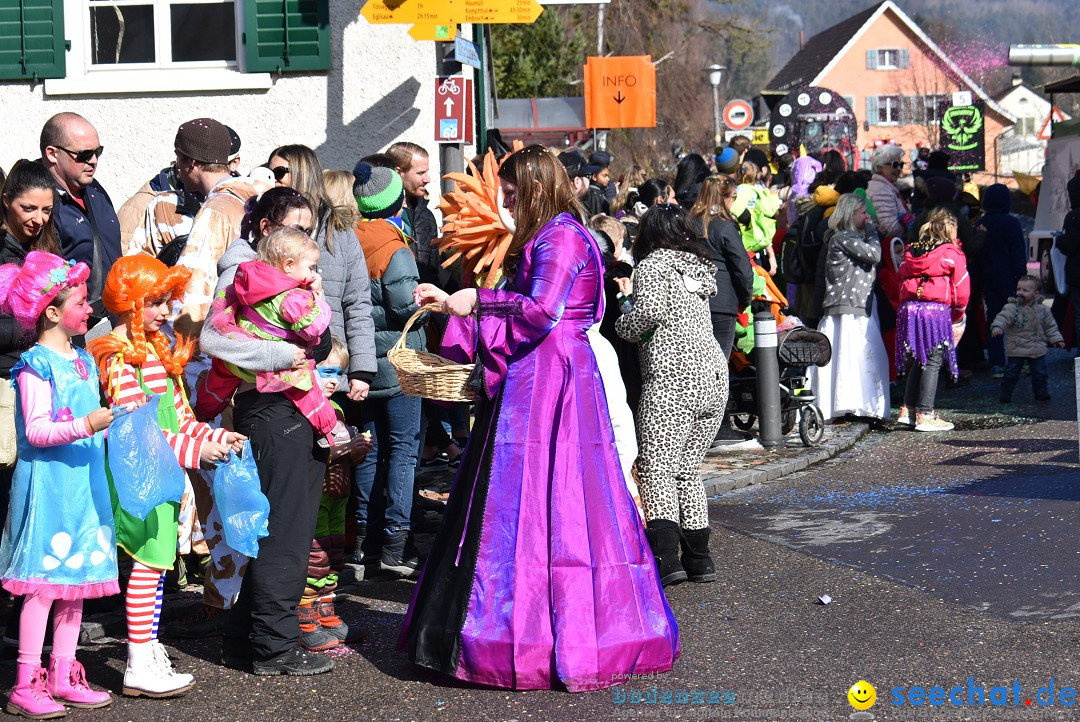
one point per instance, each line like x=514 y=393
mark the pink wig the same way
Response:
x=32 y=287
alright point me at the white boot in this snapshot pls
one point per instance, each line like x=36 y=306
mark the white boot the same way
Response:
x=162 y=657
x=147 y=677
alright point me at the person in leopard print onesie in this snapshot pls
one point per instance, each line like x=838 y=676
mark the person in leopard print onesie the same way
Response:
x=684 y=387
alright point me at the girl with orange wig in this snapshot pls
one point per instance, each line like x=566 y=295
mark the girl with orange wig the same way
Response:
x=137 y=360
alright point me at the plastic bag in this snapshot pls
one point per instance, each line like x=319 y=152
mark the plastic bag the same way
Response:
x=244 y=509
x=144 y=469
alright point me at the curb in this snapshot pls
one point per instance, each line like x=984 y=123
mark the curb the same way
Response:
x=842 y=440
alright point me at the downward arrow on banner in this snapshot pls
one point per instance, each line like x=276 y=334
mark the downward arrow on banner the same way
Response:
x=619 y=97
x=449 y=103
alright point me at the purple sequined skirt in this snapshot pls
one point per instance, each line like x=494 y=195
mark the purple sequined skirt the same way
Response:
x=922 y=326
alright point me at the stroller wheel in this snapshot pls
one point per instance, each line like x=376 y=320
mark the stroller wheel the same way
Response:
x=811 y=425
x=787 y=421
x=744 y=422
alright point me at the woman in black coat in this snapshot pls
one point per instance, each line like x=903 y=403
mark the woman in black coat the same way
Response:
x=734 y=275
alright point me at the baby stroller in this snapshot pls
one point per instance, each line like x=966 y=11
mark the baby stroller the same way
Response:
x=797 y=349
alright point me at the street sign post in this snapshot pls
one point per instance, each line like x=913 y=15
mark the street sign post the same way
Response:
x=738 y=114
x=453 y=109
x=449 y=12
x=620 y=92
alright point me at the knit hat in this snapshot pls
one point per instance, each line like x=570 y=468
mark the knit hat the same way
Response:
x=379 y=192
x=204 y=140
x=940 y=190
x=727 y=161
x=600 y=158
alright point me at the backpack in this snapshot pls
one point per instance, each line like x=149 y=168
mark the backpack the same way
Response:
x=791 y=262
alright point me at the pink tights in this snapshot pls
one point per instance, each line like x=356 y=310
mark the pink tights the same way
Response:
x=67 y=619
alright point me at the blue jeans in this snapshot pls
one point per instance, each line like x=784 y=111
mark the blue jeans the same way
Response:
x=394 y=424
x=1040 y=379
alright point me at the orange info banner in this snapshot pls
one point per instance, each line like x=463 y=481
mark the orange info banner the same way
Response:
x=620 y=92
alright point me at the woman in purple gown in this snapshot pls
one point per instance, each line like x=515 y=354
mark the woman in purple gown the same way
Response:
x=541 y=576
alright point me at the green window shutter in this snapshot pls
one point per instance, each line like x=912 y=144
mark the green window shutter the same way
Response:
x=872 y=110
x=285 y=36
x=32 y=42
x=871 y=60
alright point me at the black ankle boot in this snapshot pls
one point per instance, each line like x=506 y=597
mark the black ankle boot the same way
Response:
x=695 y=555
x=663 y=537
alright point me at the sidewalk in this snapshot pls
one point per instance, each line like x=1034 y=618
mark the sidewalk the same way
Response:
x=724 y=470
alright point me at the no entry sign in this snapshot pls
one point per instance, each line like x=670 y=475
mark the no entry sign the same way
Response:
x=738 y=114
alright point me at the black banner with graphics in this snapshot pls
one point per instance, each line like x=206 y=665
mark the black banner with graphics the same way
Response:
x=963 y=135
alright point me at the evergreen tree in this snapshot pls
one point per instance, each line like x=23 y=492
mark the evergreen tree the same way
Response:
x=539 y=60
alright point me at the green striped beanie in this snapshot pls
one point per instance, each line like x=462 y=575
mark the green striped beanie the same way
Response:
x=378 y=191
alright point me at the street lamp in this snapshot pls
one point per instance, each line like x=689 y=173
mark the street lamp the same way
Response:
x=716 y=73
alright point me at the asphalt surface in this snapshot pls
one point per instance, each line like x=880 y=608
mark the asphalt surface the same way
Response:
x=946 y=556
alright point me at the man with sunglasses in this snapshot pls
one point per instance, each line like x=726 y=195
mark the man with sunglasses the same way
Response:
x=86 y=224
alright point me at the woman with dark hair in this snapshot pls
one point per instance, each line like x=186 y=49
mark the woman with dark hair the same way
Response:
x=684 y=386
x=689 y=174
x=262 y=630
x=26 y=224
x=540 y=577
x=654 y=192
x=724 y=247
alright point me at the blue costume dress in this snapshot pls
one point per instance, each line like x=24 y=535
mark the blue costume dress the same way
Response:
x=58 y=539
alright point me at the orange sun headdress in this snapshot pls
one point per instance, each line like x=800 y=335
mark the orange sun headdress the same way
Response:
x=132 y=280
x=471 y=226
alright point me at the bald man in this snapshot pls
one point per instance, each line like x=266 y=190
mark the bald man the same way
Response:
x=86 y=223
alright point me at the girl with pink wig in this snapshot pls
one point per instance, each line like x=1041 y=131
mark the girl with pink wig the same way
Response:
x=58 y=545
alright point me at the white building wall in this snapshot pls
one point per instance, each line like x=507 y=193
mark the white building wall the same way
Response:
x=380 y=90
x=1030 y=110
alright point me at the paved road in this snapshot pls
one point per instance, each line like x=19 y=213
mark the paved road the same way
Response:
x=946 y=556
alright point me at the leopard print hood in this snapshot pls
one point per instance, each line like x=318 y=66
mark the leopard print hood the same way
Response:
x=698 y=274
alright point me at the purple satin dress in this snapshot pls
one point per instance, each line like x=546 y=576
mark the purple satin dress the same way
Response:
x=541 y=576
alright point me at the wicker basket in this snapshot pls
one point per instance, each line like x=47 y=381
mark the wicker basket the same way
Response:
x=427 y=375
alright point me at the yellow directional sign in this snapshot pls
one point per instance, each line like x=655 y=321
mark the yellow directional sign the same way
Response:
x=433 y=32
x=449 y=12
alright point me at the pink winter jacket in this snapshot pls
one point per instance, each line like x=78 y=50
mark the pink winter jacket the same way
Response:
x=940 y=275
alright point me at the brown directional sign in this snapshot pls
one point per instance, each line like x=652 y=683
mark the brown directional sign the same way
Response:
x=620 y=92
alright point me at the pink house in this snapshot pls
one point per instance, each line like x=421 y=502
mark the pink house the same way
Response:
x=893 y=76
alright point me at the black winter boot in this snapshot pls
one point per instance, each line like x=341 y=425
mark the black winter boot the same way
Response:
x=398 y=556
x=663 y=537
x=695 y=555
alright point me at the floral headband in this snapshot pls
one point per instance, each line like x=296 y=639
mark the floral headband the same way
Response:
x=58 y=278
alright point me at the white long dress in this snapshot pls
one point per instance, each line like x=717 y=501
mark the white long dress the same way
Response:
x=622 y=419
x=856 y=381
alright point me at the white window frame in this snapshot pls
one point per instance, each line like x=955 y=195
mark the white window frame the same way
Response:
x=84 y=78
x=882 y=53
x=930 y=108
x=893 y=110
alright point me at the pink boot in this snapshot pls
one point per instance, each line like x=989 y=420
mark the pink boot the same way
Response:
x=67 y=684
x=30 y=697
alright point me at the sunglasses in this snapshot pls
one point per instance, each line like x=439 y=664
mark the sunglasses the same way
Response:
x=329 y=372
x=302 y=229
x=82 y=156
x=280 y=172
x=898 y=164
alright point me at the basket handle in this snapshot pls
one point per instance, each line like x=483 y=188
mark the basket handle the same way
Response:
x=400 y=343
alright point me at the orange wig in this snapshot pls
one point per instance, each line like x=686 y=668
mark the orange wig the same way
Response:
x=131 y=281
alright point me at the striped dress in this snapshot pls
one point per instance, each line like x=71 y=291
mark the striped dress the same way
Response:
x=152 y=541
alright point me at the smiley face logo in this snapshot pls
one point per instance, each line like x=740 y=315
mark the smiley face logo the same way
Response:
x=862 y=695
